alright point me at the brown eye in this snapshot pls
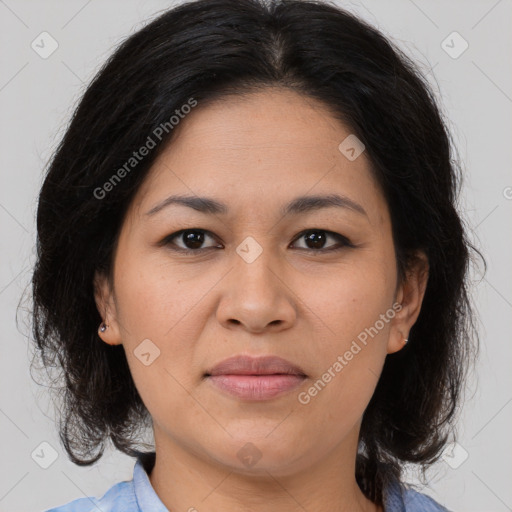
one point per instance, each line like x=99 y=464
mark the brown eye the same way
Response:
x=191 y=240
x=315 y=240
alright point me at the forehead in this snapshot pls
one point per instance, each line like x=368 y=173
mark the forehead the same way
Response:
x=258 y=150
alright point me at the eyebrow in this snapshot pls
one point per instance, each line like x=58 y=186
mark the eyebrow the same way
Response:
x=299 y=205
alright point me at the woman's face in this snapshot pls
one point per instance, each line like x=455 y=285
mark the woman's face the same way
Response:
x=251 y=284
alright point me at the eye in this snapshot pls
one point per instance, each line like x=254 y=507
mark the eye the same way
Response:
x=192 y=240
x=316 y=238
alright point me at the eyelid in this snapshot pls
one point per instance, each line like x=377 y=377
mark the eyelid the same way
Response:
x=177 y=234
x=338 y=236
x=345 y=242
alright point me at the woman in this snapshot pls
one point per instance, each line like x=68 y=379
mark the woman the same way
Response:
x=247 y=241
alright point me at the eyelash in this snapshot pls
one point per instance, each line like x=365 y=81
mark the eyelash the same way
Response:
x=345 y=242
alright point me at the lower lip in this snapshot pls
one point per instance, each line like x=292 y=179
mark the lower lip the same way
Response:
x=256 y=387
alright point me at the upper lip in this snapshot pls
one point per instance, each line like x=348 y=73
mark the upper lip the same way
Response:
x=249 y=365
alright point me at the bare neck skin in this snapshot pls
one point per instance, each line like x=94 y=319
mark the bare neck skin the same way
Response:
x=189 y=481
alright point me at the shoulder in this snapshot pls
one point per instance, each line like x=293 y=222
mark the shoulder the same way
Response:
x=127 y=496
x=416 y=501
x=402 y=498
x=119 y=498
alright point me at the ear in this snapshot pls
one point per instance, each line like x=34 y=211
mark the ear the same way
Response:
x=104 y=297
x=410 y=295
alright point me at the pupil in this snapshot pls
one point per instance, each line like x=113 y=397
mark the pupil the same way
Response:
x=189 y=239
x=317 y=238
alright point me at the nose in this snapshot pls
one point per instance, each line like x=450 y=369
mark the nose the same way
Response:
x=257 y=297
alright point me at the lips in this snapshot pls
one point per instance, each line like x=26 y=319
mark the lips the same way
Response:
x=248 y=365
x=255 y=378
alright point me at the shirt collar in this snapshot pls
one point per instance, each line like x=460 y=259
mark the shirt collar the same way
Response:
x=393 y=498
x=147 y=498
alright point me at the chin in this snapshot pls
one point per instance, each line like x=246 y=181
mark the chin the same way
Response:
x=258 y=455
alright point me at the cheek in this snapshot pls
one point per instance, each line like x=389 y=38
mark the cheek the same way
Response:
x=156 y=298
x=352 y=298
x=355 y=306
x=154 y=313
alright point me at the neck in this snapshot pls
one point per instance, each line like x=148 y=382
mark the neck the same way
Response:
x=188 y=480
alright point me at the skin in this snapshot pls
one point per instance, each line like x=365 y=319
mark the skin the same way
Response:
x=255 y=153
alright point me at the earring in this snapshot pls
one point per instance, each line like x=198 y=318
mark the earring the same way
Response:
x=103 y=327
x=406 y=340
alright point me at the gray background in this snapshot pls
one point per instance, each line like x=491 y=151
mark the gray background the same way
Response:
x=36 y=98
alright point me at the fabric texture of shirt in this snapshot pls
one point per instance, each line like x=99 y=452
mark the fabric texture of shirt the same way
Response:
x=137 y=495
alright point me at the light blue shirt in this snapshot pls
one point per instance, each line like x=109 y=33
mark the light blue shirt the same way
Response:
x=137 y=495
